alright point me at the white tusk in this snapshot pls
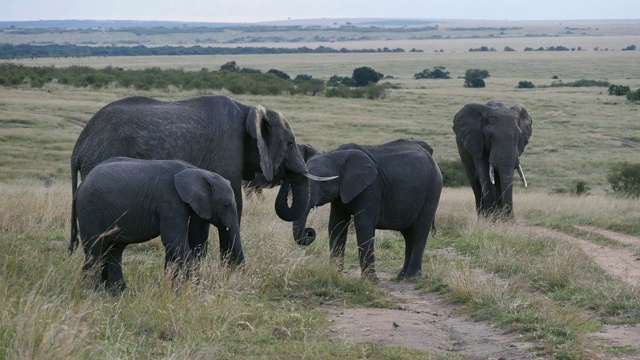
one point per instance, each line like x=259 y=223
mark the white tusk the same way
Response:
x=318 y=178
x=521 y=173
x=491 y=175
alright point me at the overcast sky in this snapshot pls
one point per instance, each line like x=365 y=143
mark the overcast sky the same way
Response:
x=264 y=10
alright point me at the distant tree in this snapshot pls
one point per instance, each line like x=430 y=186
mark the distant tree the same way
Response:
x=619 y=90
x=365 y=75
x=438 y=72
x=525 y=85
x=474 y=78
x=630 y=48
x=634 y=95
x=508 y=48
x=280 y=74
x=302 y=77
x=311 y=86
x=230 y=66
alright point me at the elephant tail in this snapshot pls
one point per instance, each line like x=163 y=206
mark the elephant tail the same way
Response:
x=433 y=227
x=73 y=241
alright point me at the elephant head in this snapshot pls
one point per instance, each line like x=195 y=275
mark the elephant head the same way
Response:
x=355 y=172
x=212 y=199
x=277 y=150
x=490 y=140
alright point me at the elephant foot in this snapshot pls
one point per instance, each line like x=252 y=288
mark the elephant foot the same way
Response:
x=370 y=276
x=116 y=289
x=409 y=274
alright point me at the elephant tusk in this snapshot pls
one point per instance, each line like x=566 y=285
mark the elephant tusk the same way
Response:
x=319 y=178
x=521 y=173
x=491 y=174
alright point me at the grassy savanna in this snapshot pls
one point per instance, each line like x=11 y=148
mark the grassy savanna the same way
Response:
x=544 y=288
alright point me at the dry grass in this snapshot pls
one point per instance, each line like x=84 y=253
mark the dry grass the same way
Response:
x=545 y=288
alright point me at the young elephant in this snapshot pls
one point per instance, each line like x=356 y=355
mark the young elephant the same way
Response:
x=393 y=186
x=125 y=201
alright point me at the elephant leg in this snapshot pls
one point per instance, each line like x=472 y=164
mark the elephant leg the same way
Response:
x=230 y=247
x=415 y=239
x=174 y=234
x=93 y=264
x=112 y=269
x=339 y=219
x=198 y=236
x=365 y=232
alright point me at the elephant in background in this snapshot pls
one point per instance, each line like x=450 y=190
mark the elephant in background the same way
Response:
x=255 y=182
x=490 y=140
x=393 y=186
x=126 y=201
x=214 y=133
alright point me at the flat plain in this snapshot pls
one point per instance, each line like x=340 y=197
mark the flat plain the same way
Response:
x=539 y=289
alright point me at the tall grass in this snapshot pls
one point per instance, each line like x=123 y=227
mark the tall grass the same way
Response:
x=543 y=288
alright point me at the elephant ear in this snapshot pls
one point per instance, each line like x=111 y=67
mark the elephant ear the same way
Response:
x=467 y=124
x=524 y=123
x=357 y=172
x=307 y=151
x=193 y=189
x=257 y=125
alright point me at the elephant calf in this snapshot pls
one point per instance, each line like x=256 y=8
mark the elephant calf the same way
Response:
x=125 y=201
x=393 y=186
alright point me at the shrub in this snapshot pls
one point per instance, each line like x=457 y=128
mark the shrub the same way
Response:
x=619 y=90
x=438 y=72
x=634 y=95
x=630 y=48
x=525 y=85
x=453 y=174
x=280 y=74
x=624 y=179
x=365 y=75
x=474 y=78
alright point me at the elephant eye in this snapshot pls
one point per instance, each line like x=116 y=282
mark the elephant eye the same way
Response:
x=290 y=145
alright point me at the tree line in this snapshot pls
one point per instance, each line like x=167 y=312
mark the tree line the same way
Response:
x=10 y=51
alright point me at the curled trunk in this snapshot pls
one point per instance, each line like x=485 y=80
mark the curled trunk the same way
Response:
x=303 y=235
x=298 y=185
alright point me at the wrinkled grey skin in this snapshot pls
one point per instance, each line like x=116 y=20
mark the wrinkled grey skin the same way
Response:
x=126 y=201
x=214 y=133
x=393 y=186
x=492 y=137
x=255 y=185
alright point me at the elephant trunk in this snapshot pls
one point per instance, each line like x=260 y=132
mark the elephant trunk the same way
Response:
x=299 y=186
x=303 y=235
x=505 y=190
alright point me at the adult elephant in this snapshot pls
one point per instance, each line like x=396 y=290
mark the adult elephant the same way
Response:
x=393 y=186
x=490 y=140
x=214 y=133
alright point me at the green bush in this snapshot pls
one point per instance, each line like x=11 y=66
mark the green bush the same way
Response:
x=474 y=78
x=365 y=75
x=453 y=174
x=634 y=95
x=438 y=72
x=525 y=85
x=619 y=90
x=624 y=179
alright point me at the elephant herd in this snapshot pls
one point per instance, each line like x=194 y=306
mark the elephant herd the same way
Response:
x=171 y=169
